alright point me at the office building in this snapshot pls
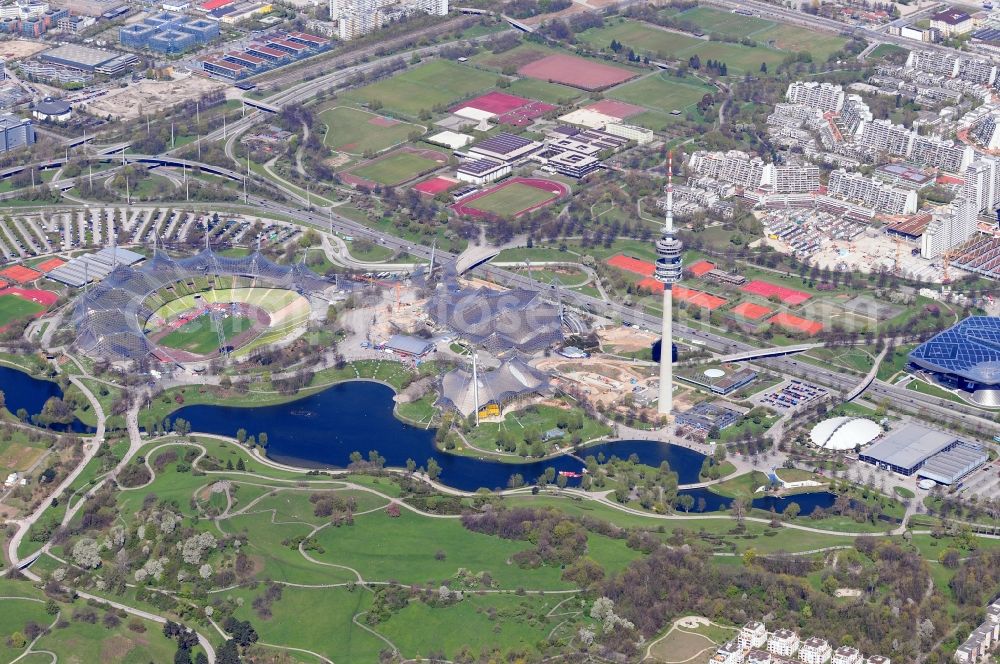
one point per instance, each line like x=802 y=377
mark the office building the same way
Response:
x=15 y=132
x=825 y=97
x=951 y=22
x=168 y=32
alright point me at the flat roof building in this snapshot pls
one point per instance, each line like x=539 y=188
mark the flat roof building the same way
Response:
x=407 y=345
x=505 y=147
x=74 y=56
x=929 y=453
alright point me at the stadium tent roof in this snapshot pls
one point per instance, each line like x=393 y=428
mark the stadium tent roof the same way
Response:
x=510 y=380
x=844 y=433
x=970 y=350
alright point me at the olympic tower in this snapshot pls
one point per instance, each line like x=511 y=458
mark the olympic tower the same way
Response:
x=669 y=264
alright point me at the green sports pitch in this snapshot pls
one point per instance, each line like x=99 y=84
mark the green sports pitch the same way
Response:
x=14 y=308
x=396 y=168
x=511 y=200
x=199 y=336
x=356 y=132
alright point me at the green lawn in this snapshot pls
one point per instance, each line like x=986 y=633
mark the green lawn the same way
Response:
x=395 y=168
x=662 y=91
x=425 y=87
x=15 y=307
x=200 y=337
x=356 y=132
x=511 y=200
x=661 y=43
x=552 y=93
x=724 y=23
x=741 y=486
x=82 y=642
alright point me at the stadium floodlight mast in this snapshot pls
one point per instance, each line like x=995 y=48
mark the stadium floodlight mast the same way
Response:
x=669 y=263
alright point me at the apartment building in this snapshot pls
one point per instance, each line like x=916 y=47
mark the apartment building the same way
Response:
x=934 y=62
x=847 y=655
x=791 y=179
x=825 y=97
x=940 y=153
x=983 y=639
x=982 y=184
x=986 y=131
x=869 y=192
x=734 y=166
x=950 y=227
x=752 y=636
x=729 y=653
x=783 y=642
x=884 y=136
x=815 y=650
x=855 y=115
x=980 y=72
x=359 y=17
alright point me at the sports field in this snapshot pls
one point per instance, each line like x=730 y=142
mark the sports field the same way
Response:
x=513 y=197
x=576 y=72
x=397 y=168
x=435 y=84
x=355 y=131
x=198 y=335
x=662 y=92
x=646 y=38
x=779 y=35
x=15 y=307
x=511 y=200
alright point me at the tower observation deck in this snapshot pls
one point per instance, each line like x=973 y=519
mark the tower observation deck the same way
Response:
x=669 y=266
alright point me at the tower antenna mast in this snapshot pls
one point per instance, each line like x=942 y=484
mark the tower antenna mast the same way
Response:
x=669 y=264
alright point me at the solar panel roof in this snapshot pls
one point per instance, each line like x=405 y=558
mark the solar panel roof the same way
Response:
x=970 y=350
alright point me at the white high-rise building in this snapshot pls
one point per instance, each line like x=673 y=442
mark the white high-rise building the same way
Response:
x=881 y=197
x=951 y=227
x=982 y=179
x=941 y=63
x=986 y=131
x=734 y=166
x=359 y=17
x=940 y=153
x=884 y=136
x=792 y=179
x=826 y=97
x=855 y=115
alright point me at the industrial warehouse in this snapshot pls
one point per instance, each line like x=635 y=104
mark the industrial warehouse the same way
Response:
x=928 y=453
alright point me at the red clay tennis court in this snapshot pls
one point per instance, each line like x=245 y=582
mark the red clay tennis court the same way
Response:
x=797 y=324
x=786 y=295
x=634 y=265
x=751 y=310
x=700 y=268
x=615 y=108
x=20 y=274
x=435 y=185
x=49 y=265
x=494 y=102
x=576 y=72
x=684 y=294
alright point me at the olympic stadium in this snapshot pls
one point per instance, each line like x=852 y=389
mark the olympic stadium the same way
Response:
x=965 y=356
x=194 y=308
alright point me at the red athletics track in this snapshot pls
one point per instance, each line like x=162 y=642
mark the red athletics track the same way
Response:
x=462 y=207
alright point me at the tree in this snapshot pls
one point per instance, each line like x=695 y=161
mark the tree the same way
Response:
x=792 y=510
x=228 y=653
x=433 y=468
x=763 y=68
x=262 y=439
x=241 y=435
x=739 y=509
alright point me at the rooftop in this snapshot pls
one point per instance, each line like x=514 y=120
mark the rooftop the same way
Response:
x=970 y=349
x=909 y=446
x=951 y=16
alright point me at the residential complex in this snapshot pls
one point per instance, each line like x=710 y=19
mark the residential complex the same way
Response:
x=754 y=645
x=356 y=18
x=825 y=97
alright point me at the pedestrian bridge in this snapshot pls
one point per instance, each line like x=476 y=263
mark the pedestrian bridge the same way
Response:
x=758 y=353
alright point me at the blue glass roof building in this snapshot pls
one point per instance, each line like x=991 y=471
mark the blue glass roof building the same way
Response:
x=966 y=355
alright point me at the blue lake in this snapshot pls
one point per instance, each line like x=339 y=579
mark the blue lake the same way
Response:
x=25 y=391
x=323 y=429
